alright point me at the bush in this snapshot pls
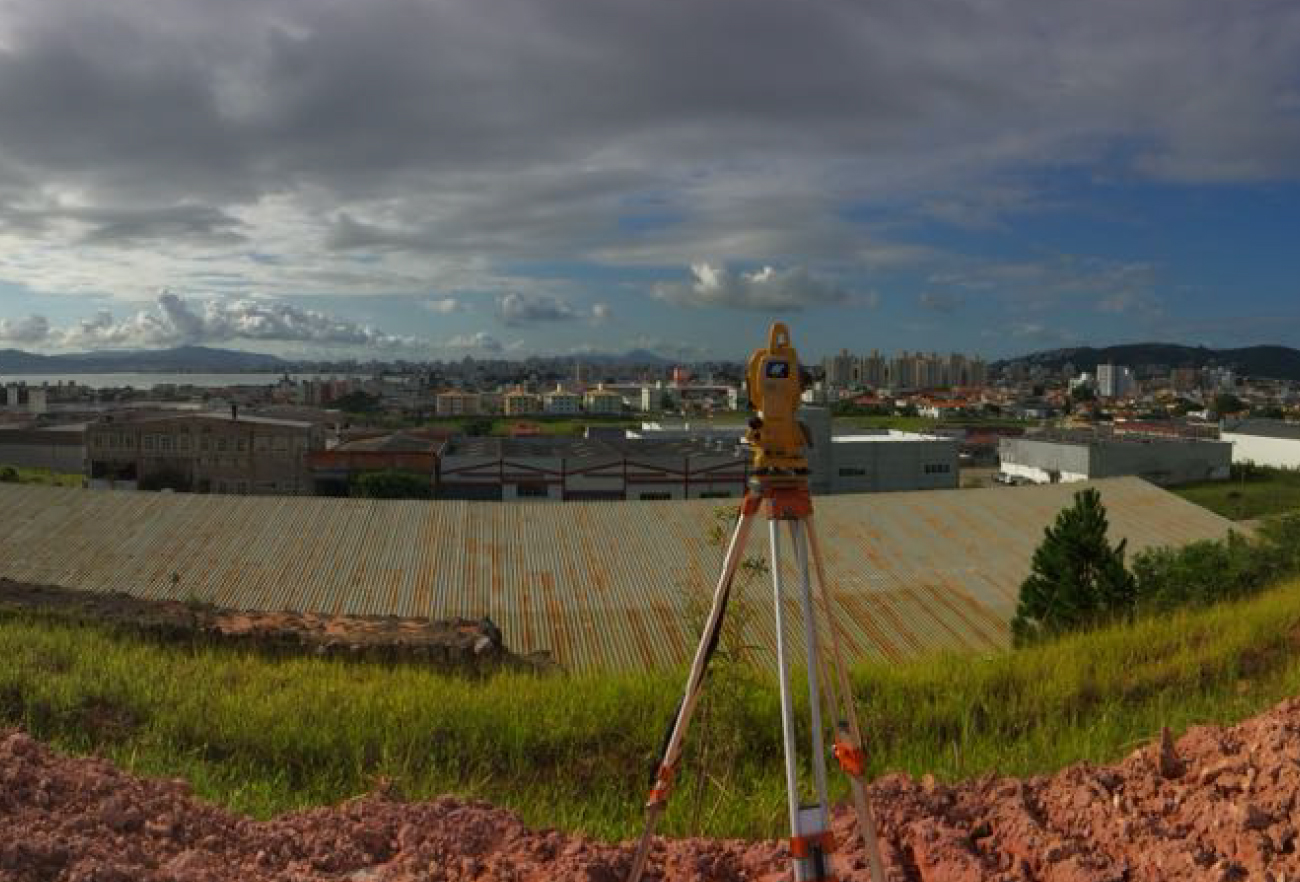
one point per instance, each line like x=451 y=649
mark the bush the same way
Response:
x=8 y=475
x=1210 y=571
x=392 y=484
x=1078 y=578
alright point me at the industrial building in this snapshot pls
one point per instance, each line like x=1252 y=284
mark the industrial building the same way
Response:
x=590 y=469
x=1080 y=455
x=864 y=462
x=57 y=448
x=599 y=585
x=332 y=471
x=204 y=452
x=1264 y=442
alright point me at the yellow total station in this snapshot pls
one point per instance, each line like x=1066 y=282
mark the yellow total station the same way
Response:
x=774 y=388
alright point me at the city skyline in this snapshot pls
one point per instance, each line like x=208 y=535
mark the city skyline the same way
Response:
x=426 y=180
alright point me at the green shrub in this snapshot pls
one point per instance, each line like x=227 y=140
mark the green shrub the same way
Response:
x=392 y=484
x=1211 y=571
x=8 y=475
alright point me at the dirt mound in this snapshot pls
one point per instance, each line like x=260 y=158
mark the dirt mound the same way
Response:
x=1219 y=804
x=464 y=644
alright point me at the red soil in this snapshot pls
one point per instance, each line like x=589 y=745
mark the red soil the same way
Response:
x=1218 y=805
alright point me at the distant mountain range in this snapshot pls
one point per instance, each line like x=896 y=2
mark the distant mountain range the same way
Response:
x=1276 y=362
x=206 y=360
x=183 y=359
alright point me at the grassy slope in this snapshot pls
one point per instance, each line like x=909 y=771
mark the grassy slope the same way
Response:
x=45 y=476
x=263 y=736
x=1274 y=492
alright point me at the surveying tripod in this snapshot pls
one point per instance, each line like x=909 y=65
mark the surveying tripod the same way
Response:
x=779 y=491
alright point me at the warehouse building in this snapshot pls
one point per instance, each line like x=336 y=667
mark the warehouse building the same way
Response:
x=590 y=469
x=864 y=462
x=1265 y=442
x=1081 y=455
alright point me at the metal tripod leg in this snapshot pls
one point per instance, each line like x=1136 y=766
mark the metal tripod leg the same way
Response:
x=853 y=767
x=809 y=825
x=658 y=799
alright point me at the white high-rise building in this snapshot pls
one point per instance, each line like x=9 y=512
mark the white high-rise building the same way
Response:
x=1114 y=381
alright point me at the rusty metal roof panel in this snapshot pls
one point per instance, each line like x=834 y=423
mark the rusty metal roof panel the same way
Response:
x=599 y=584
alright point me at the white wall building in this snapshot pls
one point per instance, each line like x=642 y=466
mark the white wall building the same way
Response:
x=1265 y=443
x=1068 y=456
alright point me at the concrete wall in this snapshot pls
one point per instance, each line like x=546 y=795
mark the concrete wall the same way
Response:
x=1282 y=453
x=37 y=455
x=1040 y=461
x=870 y=466
x=1162 y=462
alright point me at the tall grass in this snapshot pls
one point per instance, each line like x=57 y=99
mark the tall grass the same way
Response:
x=262 y=735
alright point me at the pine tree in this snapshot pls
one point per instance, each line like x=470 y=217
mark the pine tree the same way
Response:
x=1077 y=579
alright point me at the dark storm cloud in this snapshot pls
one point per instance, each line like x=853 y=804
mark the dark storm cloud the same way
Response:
x=523 y=309
x=486 y=132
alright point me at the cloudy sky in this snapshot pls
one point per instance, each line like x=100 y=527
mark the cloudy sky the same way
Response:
x=430 y=178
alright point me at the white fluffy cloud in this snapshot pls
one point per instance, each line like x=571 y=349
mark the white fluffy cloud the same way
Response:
x=175 y=321
x=480 y=341
x=444 y=305
x=767 y=289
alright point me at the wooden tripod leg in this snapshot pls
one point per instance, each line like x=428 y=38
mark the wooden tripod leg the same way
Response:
x=658 y=799
x=853 y=767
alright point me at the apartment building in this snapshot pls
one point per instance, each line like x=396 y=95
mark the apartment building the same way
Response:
x=603 y=401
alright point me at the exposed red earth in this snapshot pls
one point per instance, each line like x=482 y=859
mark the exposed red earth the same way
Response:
x=1219 y=804
x=454 y=644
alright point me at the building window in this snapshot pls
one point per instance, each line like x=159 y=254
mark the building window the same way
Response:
x=261 y=443
x=852 y=472
x=534 y=490
x=148 y=442
x=937 y=468
x=656 y=495
x=241 y=445
x=183 y=443
x=203 y=443
x=164 y=442
x=281 y=442
x=221 y=445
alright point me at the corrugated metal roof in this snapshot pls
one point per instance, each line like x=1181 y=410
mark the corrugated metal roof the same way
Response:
x=600 y=584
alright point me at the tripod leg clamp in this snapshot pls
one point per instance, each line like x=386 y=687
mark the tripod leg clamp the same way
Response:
x=811 y=854
x=663 y=785
x=851 y=757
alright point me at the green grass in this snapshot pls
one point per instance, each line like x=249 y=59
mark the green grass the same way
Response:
x=1267 y=492
x=44 y=476
x=263 y=736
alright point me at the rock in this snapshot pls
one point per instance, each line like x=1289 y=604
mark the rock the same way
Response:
x=1168 y=763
